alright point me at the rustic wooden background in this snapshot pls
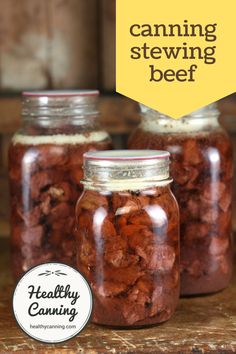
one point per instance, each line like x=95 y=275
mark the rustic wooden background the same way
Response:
x=57 y=44
x=60 y=44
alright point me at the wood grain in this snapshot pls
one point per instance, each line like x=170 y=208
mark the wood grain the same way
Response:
x=48 y=44
x=228 y=109
x=119 y=115
x=204 y=324
x=107 y=13
x=10 y=114
x=74 y=43
x=23 y=44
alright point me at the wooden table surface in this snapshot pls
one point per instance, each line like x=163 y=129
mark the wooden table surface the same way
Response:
x=204 y=324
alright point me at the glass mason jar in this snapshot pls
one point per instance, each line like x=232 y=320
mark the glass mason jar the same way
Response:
x=202 y=168
x=127 y=237
x=45 y=169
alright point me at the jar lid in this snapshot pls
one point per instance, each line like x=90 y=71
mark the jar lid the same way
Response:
x=59 y=103
x=126 y=169
x=61 y=93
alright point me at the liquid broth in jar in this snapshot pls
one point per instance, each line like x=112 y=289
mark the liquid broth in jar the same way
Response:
x=127 y=237
x=202 y=169
x=45 y=169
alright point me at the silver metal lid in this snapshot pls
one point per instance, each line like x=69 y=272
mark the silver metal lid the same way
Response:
x=126 y=169
x=210 y=110
x=59 y=103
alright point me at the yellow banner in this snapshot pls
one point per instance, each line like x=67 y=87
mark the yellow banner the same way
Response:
x=176 y=56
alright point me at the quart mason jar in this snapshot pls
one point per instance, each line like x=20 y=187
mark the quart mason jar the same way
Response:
x=127 y=237
x=202 y=168
x=45 y=169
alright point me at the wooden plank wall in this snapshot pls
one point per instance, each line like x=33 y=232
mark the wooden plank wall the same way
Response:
x=48 y=44
x=57 y=44
x=73 y=37
x=24 y=44
x=107 y=18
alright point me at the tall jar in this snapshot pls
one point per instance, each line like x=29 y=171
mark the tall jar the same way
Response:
x=202 y=168
x=127 y=237
x=45 y=169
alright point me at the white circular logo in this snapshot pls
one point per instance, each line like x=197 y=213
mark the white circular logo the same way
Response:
x=52 y=302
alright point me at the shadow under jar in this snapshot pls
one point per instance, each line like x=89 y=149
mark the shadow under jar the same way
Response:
x=127 y=237
x=45 y=169
x=202 y=169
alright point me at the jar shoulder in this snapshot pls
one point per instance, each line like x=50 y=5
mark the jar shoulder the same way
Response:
x=180 y=142
x=57 y=144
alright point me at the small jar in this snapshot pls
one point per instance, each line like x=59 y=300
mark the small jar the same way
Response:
x=127 y=237
x=45 y=169
x=202 y=168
